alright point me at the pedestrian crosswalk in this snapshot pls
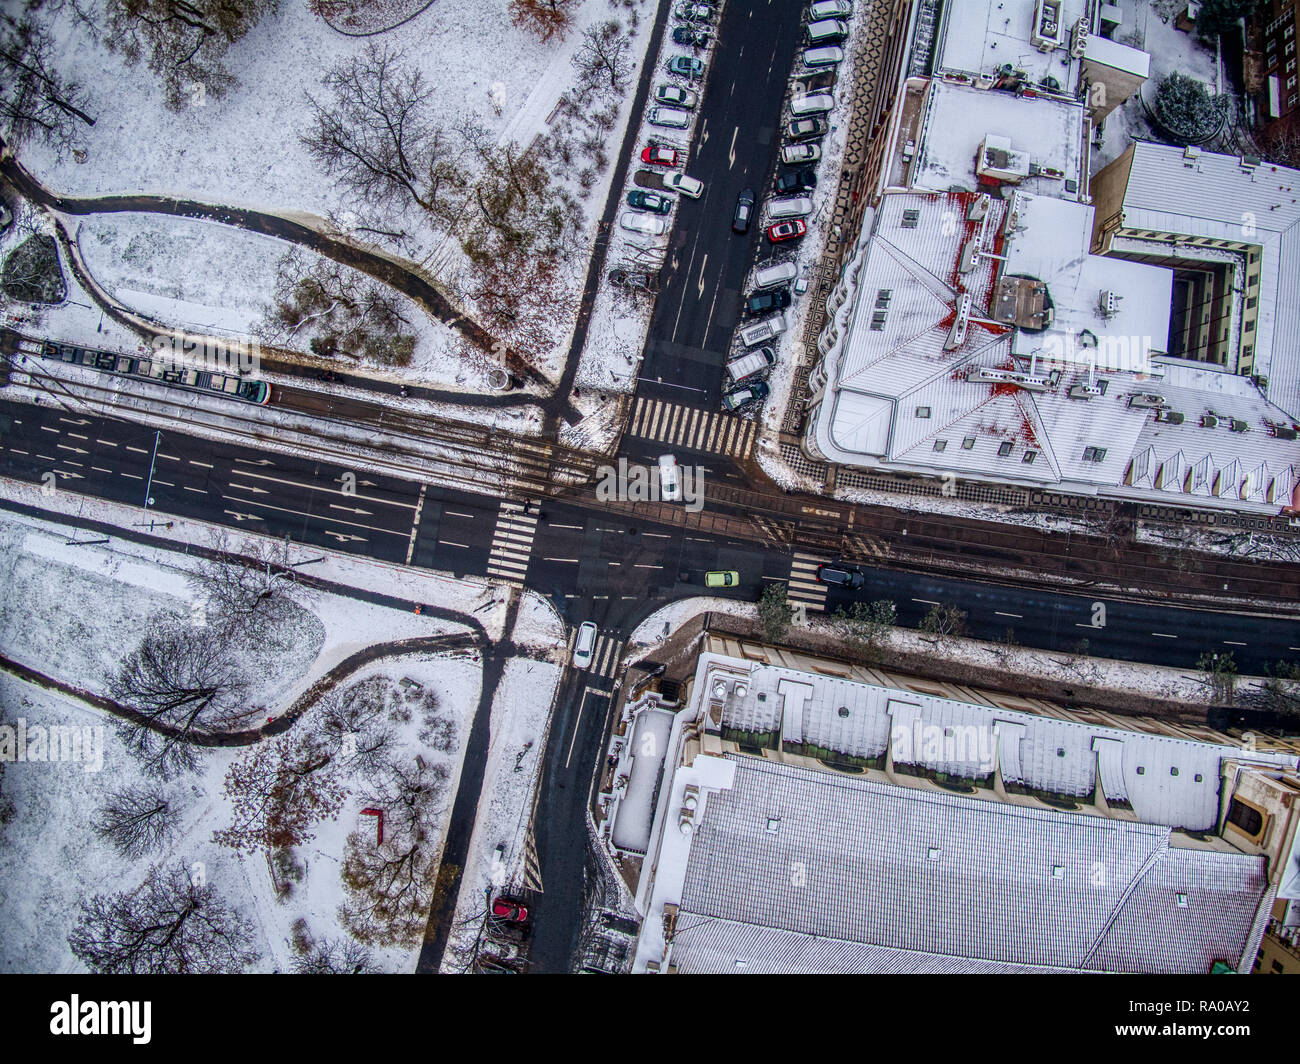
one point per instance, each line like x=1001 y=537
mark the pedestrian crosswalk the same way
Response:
x=803 y=587
x=512 y=543
x=865 y=545
x=604 y=655
x=692 y=428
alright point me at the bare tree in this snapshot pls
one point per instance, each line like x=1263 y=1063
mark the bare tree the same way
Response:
x=1220 y=675
x=377 y=136
x=36 y=103
x=247 y=589
x=353 y=722
x=170 y=924
x=136 y=820
x=409 y=792
x=524 y=302
x=542 y=18
x=333 y=957
x=389 y=887
x=944 y=620
x=184 y=42
x=1280 y=691
x=279 y=791
x=604 y=61
x=338 y=312
x=866 y=625
x=184 y=688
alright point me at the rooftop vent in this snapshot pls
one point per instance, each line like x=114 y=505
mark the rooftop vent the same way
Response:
x=1180 y=900
x=1171 y=417
x=1236 y=425
x=1058 y=871
x=1209 y=421
x=910 y=217
x=1148 y=399
x=935 y=853
x=1085 y=391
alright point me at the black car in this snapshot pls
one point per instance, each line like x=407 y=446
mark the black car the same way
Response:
x=841 y=576
x=762 y=302
x=797 y=181
x=744 y=211
x=689 y=35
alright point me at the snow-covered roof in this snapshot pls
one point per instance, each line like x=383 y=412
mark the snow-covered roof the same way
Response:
x=905 y=388
x=1120 y=56
x=900 y=879
x=1200 y=193
x=958 y=119
x=977 y=37
x=1167 y=781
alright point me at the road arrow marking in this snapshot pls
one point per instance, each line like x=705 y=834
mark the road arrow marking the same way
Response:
x=731 y=155
x=700 y=287
x=243 y=517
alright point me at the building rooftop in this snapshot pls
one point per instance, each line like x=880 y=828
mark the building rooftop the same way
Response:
x=1204 y=194
x=1045 y=137
x=978 y=37
x=895 y=879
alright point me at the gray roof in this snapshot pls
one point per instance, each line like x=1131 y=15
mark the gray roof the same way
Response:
x=947 y=881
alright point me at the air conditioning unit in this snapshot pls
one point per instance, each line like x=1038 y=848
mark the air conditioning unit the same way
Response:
x=1171 y=417
x=1209 y=421
x=1079 y=39
x=1236 y=425
x=1147 y=399
x=1084 y=391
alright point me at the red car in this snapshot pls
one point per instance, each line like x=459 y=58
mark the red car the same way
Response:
x=511 y=911
x=786 y=230
x=659 y=156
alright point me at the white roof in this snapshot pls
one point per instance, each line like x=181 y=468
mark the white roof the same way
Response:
x=1214 y=196
x=944 y=879
x=958 y=119
x=1120 y=56
x=862 y=720
x=979 y=36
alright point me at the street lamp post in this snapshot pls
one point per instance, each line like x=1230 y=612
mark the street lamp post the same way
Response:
x=148 y=488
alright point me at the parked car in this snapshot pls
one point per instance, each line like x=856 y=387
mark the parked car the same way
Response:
x=821 y=9
x=744 y=209
x=671 y=117
x=513 y=912
x=676 y=95
x=655 y=202
x=786 y=230
x=687 y=186
x=806 y=128
x=645 y=224
x=722 y=578
x=828 y=56
x=584 y=644
x=750 y=363
x=686 y=66
x=691 y=36
x=670 y=485
x=841 y=576
x=792 y=154
x=812 y=103
x=797 y=181
x=763 y=302
x=657 y=156
x=775 y=273
x=694 y=12
x=762 y=331
x=827 y=31
x=739 y=398
x=789 y=207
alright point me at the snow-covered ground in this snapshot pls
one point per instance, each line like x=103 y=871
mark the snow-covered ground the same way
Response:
x=51 y=859
x=245 y=149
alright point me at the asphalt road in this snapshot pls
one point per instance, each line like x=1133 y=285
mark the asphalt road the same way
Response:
x=735 y=148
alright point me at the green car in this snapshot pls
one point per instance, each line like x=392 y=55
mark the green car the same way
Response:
x=649 y=201
x=728 y=578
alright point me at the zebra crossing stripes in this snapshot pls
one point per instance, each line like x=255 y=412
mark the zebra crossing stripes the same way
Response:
x=512 y=543
x=692 y=428
x=803 y=587
x=605 y=656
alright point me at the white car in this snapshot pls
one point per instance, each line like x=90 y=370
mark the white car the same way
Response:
x=675 y=94
x=829 y=9
x=812 y=103
x=687 y=186
x=645 y=224
x=584 y=644
x=670 y=485
x=800 y=153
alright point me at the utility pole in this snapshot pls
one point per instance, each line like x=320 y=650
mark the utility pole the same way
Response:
x=157 y=437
